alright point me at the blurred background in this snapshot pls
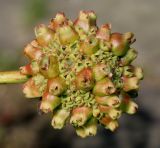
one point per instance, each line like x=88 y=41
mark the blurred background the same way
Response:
x=20 y=123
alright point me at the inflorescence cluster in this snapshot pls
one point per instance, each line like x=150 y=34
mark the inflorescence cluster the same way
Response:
x=82 y=73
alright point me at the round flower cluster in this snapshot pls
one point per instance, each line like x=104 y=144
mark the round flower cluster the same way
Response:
x=82 y=73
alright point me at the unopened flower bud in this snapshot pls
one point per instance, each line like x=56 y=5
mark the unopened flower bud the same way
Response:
x=119 y=45
x=131 y=83
x=138 y=72
x=30 y=69
x=104 y=87
x=128 y=36
x=34 y=87
x=100 y=71
x=90 y=45
x=59 y=118
x=129 y=57
x=44 y=35
x=90 y=129
x=59 y=19
x=128 y=71
x=32 y=52
x=96 y=112
x=85 y=80
x=128 y=105
x=80 y=116
x=49 y=103
x=110 y=111
x=56 y=86
x=85 y=20
x=112 y=100
x=67 y=34
x=109 y=123
x=104 y=32
x=49 y=66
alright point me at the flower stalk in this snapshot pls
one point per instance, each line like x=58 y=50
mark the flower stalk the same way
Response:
x=11 y=77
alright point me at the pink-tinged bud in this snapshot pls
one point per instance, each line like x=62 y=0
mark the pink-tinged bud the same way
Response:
x=100 y=71
x=49 y=103
x=30 y=69
x=129 y=57
x=84 y=79
x=131 y=83
x=44 y=35
x=90 y=129
x=89 y=46
x=34 y=43
x=104 y=87
x=67 y=34
x=56 y=86
x=32 y=52
x=104 y=32
x=104 y=45
x=138 y=72
x=128 y=105
x=109 y=123
x=110 y=111
x=34 y=87
x=112 y=101
x=85 y=21
x=59 y=20
x=80 y=116
x=119 y=45
x=59 y=118
x=49 y=66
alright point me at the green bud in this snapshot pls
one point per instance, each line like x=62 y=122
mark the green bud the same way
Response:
x=104 y=87
x=128 y=36
x=49 y=103
x=67 y=34
x=100 y=71
x=84 y=79
x=89 y=46
x=128 y=71
x=104 y=45
x=59 y=118
x=131 y=83
x=119 y=45
x=96 y=112
x=49 y=66
x=129 y=57
x=56 y=86
x=44 y=35
x=90 y=129
x=138 y=73
x=112 y=101
x=81 y=132
x=80 y=116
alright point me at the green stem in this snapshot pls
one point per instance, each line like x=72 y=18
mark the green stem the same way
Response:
x=10 y=77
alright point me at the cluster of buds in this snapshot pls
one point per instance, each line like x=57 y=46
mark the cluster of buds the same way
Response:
x=82 y=73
